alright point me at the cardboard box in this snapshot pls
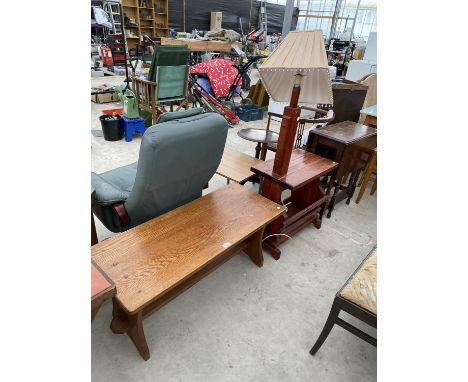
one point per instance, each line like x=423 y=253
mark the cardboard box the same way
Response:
x=103 y=98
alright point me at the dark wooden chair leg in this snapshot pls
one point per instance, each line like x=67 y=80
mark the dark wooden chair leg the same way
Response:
x=352 y=185
x=334 y=312
x=331 y=205
x=94 y=309
x=329 y=187
x=94 y=239
x=258 y=148
x=137 y=335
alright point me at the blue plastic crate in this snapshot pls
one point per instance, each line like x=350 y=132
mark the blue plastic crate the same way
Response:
x=249 y=112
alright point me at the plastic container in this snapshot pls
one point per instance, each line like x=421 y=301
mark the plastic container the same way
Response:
x=117 y=111
x=112 y=129
x=130 y=104
x=249 y=112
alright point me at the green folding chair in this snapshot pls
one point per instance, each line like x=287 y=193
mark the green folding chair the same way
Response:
x=167 y=79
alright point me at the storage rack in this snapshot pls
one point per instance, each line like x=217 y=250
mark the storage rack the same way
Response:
x=116 y=44
x=150 y=16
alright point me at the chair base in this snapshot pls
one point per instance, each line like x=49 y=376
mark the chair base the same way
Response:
x=340 y=304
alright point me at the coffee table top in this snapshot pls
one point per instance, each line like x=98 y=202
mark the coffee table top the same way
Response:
x=236 y=165
x=346 y=132
x=304 y=167
x=148 y=261
x=259 y=135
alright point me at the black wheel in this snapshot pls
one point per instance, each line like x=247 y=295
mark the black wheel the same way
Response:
x=246 y=101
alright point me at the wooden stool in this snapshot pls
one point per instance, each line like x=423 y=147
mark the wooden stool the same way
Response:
x=358 y=297
x=370 y=169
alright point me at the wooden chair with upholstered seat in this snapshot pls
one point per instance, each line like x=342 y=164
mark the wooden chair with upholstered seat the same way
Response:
x=358 y=297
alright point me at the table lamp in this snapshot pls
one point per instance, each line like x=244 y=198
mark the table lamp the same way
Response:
x=297 y=71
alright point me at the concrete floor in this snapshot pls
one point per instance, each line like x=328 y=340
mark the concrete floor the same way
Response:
x=243 y=323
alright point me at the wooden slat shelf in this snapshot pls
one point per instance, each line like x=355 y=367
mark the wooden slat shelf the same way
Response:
x=157 y=10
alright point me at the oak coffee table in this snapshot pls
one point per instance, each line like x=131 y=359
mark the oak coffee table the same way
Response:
x=154 y=262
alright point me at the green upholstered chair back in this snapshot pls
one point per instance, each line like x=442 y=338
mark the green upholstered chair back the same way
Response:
x=177 y=159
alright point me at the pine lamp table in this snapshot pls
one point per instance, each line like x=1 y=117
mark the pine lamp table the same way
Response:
x=307 y=202
x=346 y=143
x=154 y=262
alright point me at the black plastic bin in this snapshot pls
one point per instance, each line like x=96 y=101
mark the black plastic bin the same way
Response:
x=111 y=129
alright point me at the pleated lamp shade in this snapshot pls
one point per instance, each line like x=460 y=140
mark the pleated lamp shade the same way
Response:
x=301 y=52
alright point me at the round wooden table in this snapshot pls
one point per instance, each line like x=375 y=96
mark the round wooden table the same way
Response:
x=260 y=136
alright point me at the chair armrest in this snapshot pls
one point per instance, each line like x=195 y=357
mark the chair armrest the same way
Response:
x=106 y=193
x=317 y=110
x=330 y=116
x=271 y=114
x=143 y=81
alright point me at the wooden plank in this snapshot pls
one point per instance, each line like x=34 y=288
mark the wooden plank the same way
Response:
x=198 y=45
x=236 y=165
x=149 y=260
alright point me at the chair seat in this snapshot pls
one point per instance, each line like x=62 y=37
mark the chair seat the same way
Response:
x=361 y=289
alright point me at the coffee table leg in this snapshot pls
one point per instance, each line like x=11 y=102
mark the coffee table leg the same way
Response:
x=254 y=247
x=137 y=335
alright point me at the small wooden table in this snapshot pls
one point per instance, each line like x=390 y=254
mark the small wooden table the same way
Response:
x=156 y=261
x=369 y=116
x=236 y=166
x=307 y=201
x=345 y=143
x=102 y=289
x=260 y=136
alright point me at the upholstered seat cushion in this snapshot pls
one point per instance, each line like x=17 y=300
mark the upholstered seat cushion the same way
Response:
x=361 y=289
x=115 y=185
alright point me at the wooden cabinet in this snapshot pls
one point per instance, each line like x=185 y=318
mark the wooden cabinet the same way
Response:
x=144 y=17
